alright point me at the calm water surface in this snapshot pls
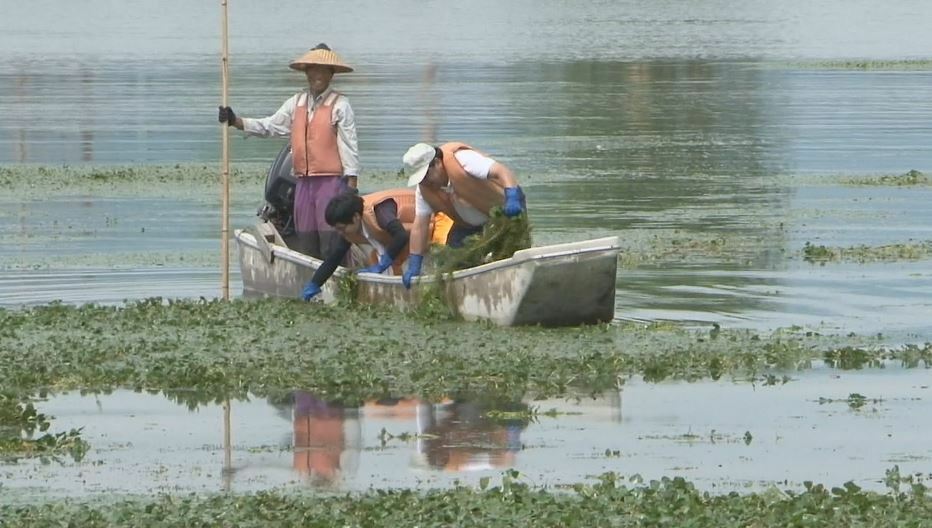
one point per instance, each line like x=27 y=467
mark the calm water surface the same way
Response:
x=641 y=120
x=721 y=435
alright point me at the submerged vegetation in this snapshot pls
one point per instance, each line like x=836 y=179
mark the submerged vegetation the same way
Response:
x=854 y=400
x=863 y=253
x=856 y=64
x=911 y=178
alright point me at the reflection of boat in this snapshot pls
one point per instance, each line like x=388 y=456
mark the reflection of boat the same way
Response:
x=457 y=436
x=562 y=284
x=558 y=285
x=461 y=437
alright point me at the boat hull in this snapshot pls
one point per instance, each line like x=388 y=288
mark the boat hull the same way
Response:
x=559 y=285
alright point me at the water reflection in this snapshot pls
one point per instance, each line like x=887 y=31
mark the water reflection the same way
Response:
x=451 y=436
x=722 y=435
x=326 y=439
x=462 y=436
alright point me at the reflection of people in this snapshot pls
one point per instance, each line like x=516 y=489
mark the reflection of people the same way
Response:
x=459 y=437
x=324 y=149
x=320 y=438
x=463 y=184
x=374 y=219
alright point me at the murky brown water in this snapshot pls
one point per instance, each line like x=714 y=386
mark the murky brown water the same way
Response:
x=720 y=435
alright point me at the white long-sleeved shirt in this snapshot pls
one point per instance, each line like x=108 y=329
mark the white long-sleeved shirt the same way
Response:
x=279 y=125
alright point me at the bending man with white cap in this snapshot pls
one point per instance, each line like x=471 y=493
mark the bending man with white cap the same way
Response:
x=460 y=182
x=325 y=154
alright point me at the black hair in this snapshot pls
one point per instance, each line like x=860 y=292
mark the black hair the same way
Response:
x=342 y=207
x=438 y=155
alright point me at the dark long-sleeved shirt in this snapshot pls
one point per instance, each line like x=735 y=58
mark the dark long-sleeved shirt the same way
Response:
x=386 y=215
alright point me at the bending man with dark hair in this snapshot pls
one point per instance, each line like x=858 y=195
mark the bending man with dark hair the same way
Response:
x=373 y=219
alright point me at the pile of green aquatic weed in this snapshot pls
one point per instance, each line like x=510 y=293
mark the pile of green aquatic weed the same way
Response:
x=347 y=289
x=499 y=239
x=612 y=500
x=432 y=305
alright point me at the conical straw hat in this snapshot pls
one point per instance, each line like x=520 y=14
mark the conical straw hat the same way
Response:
x=323 y=55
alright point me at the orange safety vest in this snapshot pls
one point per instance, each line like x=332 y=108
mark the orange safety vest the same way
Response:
x=404 y=199
x=481 y=194
x=314 y=149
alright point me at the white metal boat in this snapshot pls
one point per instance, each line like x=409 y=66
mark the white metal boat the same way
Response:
x=557 y=285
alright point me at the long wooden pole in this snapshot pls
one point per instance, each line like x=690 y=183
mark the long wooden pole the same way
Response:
x=225 y=227
x=225 y=166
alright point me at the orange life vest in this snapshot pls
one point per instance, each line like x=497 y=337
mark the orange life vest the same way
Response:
x=404 y=199
x=314 y=149
x=481 y=194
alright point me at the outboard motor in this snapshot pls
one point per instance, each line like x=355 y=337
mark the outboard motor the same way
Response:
x=279 y=193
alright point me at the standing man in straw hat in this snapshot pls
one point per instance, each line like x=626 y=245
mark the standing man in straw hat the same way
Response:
x=324 y=149
x=460 y=182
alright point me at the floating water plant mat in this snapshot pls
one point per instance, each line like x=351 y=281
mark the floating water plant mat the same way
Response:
x=910 y=178
x=185 y=180
x=607 y=500
x=232 y=349
x=204 y=351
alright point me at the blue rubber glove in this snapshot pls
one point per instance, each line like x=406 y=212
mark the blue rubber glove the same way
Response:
x=385 y=262
x=414 y=269
x=310 y=290
x=513 y=205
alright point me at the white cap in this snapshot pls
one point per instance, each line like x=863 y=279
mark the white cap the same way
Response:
x=417 y=160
